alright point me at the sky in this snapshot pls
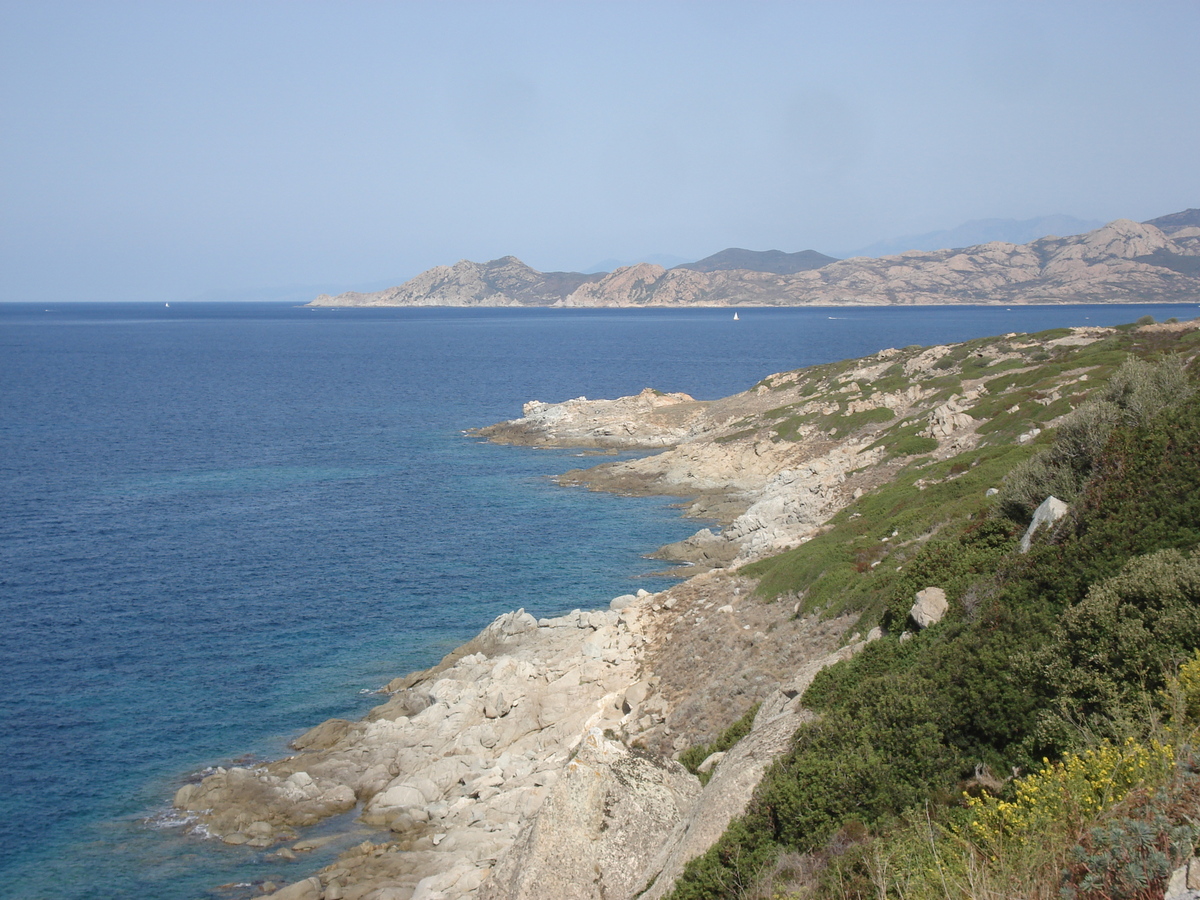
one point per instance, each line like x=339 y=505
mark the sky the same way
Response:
x=174 y=150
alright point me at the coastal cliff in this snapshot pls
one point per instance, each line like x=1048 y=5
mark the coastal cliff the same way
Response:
x=1122 y=262
x=575 y=756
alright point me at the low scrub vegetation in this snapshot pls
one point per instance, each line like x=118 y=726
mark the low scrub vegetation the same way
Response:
x=693 y=757
x=1039 y=741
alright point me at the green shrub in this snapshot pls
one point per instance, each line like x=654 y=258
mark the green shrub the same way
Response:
x=892 y=380
x=1131 y=855
x=912 y=445
x=1007 y=365
x=973 y=366
x=879 y=754
x=951 y=564
x=836 y=685
x=854 y=421
x=1137 y=392
x=1063 y=468
x=1141 y=389
x=991 y=701
x=694 y=756
x=1127 y=859
x=1113 y=650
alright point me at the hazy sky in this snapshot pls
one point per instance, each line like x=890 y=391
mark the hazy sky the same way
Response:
x=164 y=150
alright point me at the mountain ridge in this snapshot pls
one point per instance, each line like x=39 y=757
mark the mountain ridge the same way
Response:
x=981 y=231
x=1173 y=222
x=775 y=262
x=1121 y=262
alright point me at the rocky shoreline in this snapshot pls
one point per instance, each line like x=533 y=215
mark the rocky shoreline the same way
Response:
x=539 y=759
x=536 y=760
x=537 y=751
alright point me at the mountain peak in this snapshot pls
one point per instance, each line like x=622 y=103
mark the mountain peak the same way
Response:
x=774 y=261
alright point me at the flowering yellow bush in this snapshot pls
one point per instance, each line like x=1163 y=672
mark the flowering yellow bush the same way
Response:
x=1063 y=798
x=1189 y=688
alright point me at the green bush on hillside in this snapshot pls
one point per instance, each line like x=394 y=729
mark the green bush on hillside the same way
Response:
x=879 y=754
x=853 y=566
x=952 y=564
x=694 y=756
x=1144 y=496
x=1075 y=636
x=1136 y=393
x=1110 y=653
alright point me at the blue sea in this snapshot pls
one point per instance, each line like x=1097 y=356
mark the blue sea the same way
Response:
x=221 y=524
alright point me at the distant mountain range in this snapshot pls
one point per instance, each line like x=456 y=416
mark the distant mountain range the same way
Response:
x=774 y=261
x=981 y=231
x=1121 y=262
x=1176 y=222
x=666 y=260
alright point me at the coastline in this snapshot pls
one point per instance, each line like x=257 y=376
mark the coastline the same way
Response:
x=1118 y=262
x=463 y=760
x=524 y=745
x=529 y=721
x=538 y=760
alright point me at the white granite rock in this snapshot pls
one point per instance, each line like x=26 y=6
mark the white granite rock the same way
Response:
x=929 y=607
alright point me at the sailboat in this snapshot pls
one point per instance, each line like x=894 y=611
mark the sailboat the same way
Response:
x=167 y=305
x=735 y=317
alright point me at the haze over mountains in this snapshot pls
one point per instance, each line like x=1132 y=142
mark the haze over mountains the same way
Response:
x=775 y=261
x=1121 y=262
x=981 y=231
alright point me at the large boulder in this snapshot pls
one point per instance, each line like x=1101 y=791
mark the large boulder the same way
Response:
x=1185 y=882
x=929 y=607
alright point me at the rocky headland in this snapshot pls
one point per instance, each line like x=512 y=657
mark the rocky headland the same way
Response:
x=1122 y=262
x=541 y=759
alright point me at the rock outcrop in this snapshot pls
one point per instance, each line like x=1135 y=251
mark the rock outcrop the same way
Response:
x=501 y=282
x=1048 y=512
x=1122 y=262
x=1184 y=883
x=534 y=761
x=600 y=827
x=649 y=419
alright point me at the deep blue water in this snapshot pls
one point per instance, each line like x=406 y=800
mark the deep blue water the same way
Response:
x=223 y=523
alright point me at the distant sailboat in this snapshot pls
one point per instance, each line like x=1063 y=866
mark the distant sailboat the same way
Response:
x=735 y=317
x=167 y=305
